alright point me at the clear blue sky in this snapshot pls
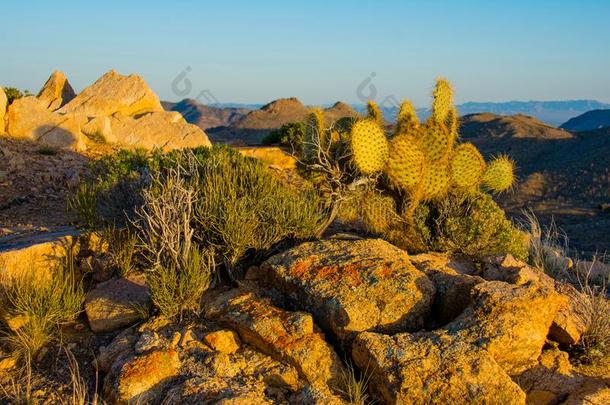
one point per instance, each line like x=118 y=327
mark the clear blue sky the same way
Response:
x=319 y=51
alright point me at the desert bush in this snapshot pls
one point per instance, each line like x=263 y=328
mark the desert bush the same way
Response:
x=123 y=248
x=476 y=226
x=13 y=94
x=594 y=344
x=241 y=207
x=110 y=193
x=41 y=306
x=177 y=288
x=290 y=135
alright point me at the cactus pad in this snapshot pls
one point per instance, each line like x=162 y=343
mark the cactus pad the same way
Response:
x=435 y=181
x=500 y=174
x=443 y=100
x=407 y=118
x=369 y=147
x=467 y=167
x=406 y=163
x=435 y=142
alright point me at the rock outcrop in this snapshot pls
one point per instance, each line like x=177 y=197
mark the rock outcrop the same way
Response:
x=29 y=118
x=426 y=368
x=165 y=130
x=352 y=286
x=291 y=336
x=114 y=93
x=56 y=92
x=3 y=105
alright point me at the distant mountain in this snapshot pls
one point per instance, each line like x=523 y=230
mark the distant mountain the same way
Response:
x=551 y=112
x=563 y=176
x=205 y=116
x=494 y=126
x=588 y=121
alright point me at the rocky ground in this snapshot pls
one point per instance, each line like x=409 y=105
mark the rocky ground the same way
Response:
x=422 y=329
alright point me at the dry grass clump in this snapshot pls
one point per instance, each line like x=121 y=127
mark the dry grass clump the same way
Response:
x=549 y=251
x=36 y=307
x=354 y=387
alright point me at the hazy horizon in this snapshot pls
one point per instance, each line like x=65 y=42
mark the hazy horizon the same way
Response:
x=315 y=52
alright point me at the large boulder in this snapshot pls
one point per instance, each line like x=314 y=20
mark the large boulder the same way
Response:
x=114 y=93
x=3 y=105
x=352 y=286
x=287 y=336
x=117 y=303
x=432 y=368
x=56 y=92
x=510 y=321
x=29 y=118
x=166 y=130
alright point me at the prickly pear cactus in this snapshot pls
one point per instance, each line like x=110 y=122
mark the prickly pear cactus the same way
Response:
x=467 y=167
x=500 y=174
x=406 y=120
x=436 y=181
x=369 y=147
x=435 y=142
x=443 y=100
x=406 y=163
x=374 y=113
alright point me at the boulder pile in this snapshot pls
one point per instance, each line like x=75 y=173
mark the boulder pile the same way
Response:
x=115 y=109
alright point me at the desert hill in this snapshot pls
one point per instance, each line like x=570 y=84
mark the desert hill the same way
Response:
x=588 y=121
x=205 y=116
x=562 y=175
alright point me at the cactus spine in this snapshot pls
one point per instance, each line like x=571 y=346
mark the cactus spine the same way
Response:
x=369 y=147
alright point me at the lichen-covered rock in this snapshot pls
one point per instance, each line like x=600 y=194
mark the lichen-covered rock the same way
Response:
x=29 y=118
x=569 y=322
x=56 y=92
x=165 y=130
x=287 y=336
x=425 y=368
x=352 y=286
x=116 y=303
x=510 y=321
x=452 y=283
x=141 y=379
x=112 y=93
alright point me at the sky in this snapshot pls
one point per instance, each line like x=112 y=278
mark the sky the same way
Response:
x=319 y=51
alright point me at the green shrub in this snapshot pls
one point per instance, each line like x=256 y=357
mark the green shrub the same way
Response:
x=13 y=94
x=475 y=226
x=290 y=135
x=111 y=192
x=41 y=305
x=175 y=289
x=242 y=207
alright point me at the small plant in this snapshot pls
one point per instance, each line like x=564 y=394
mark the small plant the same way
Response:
x=13 y=94
x=123 y=248
x=175 y=289
x=41 y=305
x=594 y=345
x=354 y=387
x=290 y=135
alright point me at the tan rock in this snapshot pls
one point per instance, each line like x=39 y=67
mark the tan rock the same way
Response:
x=284 y=335
x=141 y=379
x=56 y=92
x=270 y=155
x=122 y=346
x=114 y=93
x=28 y=118
x=511 y=322
x=165 y=130
x=426 y=368
x=593 y=392
x=352 y=286
x=452 y=283
x=571 y=320
x=35 y=255
x=99 y=128
x=3 y=105
x=224 y=341
x=116 y=303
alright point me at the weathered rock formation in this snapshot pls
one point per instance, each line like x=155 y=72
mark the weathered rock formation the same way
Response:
x=3 y=105
x=56 y=92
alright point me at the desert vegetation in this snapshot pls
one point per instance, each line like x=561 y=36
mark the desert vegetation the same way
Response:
x=208 y=275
